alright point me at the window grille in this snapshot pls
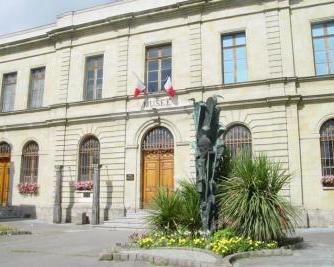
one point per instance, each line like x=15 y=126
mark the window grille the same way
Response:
x=29 y=165
x=238 y=138
x=323 y=46
x=159 y=138
x=8 y=92
x=94 y=78
x=5 y=150
x=89 y=154
x=327 y=148
x=36 y=91
x=234 y=58
x=158 y=67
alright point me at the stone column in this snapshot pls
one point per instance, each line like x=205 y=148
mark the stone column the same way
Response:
x=58 y=190
x=96 y=195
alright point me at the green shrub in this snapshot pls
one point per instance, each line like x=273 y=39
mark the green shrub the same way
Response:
x=222 y=242
x=223 y=234
x=190 y=205
x=173 y=211
x=167 y=210
x=250 y=199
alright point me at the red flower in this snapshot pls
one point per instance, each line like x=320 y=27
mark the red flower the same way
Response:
x=328 y=180
x=28 y=188
x=83 y=185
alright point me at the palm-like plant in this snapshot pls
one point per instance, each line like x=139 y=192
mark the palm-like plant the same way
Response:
x=191 y=216
x=250 y=200
x=179 y=209
x=166 y=210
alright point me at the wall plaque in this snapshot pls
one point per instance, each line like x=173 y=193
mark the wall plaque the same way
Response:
x=130 y=177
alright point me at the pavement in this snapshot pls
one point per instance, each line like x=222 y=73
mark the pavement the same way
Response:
x=69 y=245
x=65 y=245
x=318 y=251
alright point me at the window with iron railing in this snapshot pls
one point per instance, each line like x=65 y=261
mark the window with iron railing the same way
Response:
x=234 y=58
x=89 y=154
x=36 y=91
x=8 y=92
x=5 y=150
x=93 y=78
x=238 y=138
x=158 y=67
x=327 y=148
x=29 y=164
x=323 y=46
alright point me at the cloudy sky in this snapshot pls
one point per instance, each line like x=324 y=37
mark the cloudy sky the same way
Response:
x=16 y=15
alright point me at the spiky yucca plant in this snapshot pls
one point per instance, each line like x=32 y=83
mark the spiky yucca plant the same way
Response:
x=191 y=216
x=179 y=209
x=166 y=210
x=250 y=200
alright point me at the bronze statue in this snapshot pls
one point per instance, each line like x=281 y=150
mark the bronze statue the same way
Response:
x=209 y=152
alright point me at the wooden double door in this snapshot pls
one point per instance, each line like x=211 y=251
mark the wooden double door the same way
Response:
x=158 y=171
x=4 y=181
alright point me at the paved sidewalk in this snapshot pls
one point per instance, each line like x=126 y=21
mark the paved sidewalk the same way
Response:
x=318 y=252
x=59 y=246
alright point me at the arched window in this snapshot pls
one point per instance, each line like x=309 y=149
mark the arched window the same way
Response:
x=4 y=150
x=159 y=138
x=327 y=147
x=29 y=164
x=89 y=154
x=238 y=138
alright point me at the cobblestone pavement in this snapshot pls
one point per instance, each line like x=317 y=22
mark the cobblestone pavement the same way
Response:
x=59 y=246
x=318 y=252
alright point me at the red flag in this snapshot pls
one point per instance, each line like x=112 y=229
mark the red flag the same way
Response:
x=169 y=87
x=140 y=88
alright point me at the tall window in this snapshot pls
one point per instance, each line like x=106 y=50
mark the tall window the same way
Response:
x=29 y=164
x=323 y=45
x=89 y=154
x=8 y=91
x=238 y=138
x=327 y=147
x=158 y=67
x=36 y=91
x=234 y=58
x=94 y=78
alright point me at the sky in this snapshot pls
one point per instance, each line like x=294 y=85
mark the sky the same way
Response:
x=17 y=15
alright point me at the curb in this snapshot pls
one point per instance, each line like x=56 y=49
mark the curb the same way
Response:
x=9 y=233
x=229 y=260
x=161 y=260
x=127 y=255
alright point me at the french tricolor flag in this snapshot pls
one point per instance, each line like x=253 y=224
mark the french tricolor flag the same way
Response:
x=169 y=87
x=140 y=88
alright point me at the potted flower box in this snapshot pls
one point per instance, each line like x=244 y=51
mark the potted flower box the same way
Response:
x=84 y=186
x=328 y=182
x=28 y=188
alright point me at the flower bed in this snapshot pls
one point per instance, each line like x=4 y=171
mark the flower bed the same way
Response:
x=28 y=188
x=83 y=186
x=328 y=181
x=222 y=242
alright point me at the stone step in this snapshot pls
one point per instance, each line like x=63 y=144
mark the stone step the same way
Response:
x=9 y=213
x=133 y=221
x=127 y=221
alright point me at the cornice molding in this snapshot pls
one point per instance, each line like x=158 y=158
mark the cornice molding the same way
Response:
x=127 y=19
x=220 y=87
x=186 y=109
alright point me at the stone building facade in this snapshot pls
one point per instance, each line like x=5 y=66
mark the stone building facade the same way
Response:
x=68 y=87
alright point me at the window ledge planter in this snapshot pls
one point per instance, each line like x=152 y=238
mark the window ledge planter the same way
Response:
x=28 y=188
x=83 y=186
x=328 y=182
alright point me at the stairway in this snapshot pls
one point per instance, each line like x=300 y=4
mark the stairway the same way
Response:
x=10 y=212
x=133 y=221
